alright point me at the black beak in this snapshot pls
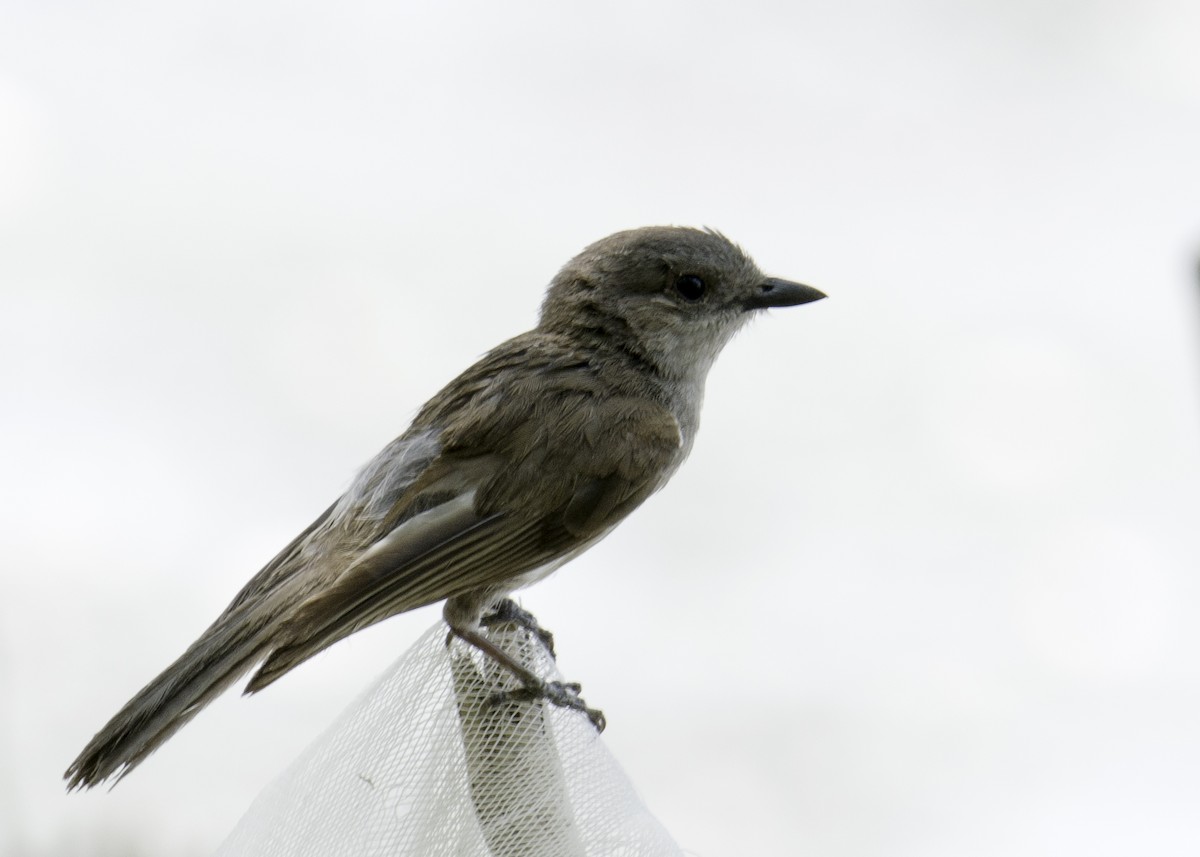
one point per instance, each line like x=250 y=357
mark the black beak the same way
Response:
x=778 y=293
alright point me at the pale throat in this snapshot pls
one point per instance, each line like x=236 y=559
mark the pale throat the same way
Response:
x=685 y=363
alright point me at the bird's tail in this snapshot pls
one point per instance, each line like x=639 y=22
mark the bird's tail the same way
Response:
x=240 y=637
x=226 y=650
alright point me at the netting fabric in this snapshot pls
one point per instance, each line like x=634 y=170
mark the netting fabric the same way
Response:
x=426 y=763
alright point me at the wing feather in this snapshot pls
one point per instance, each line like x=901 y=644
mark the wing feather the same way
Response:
x=436 y=555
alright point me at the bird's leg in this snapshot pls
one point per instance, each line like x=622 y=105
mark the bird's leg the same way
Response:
x=562 y=694
x=508 y=610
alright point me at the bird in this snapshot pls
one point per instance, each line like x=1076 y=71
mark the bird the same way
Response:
x=522 y=462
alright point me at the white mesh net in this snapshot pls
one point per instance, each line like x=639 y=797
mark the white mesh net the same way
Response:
x=424 y=764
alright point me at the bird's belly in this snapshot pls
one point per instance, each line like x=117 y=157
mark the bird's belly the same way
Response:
x=543 y=571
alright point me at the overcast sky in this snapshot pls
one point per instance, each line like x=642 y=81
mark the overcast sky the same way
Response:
x=927 y=585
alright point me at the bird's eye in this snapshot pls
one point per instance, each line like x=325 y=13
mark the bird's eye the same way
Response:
x=690 y=287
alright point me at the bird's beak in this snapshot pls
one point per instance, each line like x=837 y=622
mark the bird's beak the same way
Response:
x=772 y=292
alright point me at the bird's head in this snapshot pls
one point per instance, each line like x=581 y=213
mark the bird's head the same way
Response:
x=673 y=296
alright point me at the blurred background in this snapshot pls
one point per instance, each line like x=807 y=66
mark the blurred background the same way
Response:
x=927 y=585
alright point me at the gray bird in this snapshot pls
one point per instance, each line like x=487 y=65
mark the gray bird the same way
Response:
x=522 y=462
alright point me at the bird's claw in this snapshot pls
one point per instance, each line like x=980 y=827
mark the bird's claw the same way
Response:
x=562 y=694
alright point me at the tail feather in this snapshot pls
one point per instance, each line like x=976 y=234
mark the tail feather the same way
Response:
x=232 y=645
x=223 y=653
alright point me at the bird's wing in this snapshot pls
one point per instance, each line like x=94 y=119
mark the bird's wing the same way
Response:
x=527 y=502
x=313 y=559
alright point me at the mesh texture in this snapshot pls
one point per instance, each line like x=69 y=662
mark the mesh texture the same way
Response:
x=424 y=763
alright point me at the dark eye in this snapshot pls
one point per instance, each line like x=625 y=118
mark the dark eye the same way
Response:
x=690 y=287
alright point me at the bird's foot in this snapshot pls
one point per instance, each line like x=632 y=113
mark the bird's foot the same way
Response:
x=507 y=611
x=562 y=694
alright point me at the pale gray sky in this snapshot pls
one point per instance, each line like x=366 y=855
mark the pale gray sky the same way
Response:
x=927 y=585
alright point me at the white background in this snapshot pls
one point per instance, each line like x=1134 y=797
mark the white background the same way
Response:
x=927 y=586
